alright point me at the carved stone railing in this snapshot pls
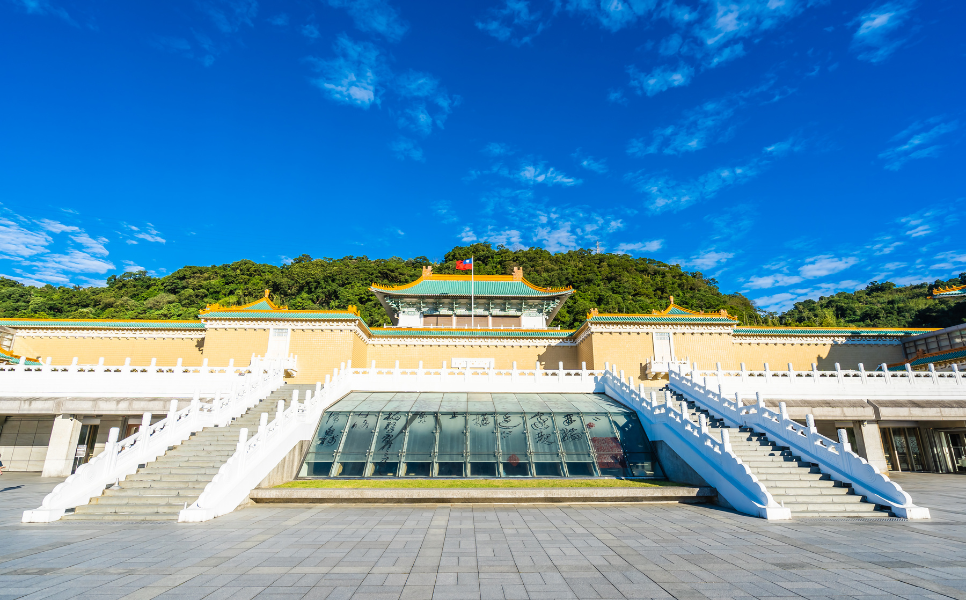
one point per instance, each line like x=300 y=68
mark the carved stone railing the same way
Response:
x=834 y=458
x=838 y=384
x=256 y=457
x=127 y=380
x=712 y=458
x=121 y=458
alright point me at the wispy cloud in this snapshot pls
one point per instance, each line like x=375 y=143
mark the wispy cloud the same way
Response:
x=616 y=96
x=919 y=140
x=814 y=267
x=639 y=247
x=590 y=163
x=430 y=103
x=496 y=149
x=310 y=31
x=279 y=20
x=877 y=35
x=374 y=16
x=43 y=8
x=660 y=79
x=539 y=173
x=709 y=123
x=514 y=22
x=354 y=75
x=613 y=15
x=665 y=193
x=785 y=300
x=404 y=148
x=923 y=223
x=704 y=261
x=230 y=15
x=17 y=242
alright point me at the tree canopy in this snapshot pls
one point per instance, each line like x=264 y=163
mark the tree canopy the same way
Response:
x=613 y=283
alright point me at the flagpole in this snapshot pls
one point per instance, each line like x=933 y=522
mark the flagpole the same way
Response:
x=472 y=292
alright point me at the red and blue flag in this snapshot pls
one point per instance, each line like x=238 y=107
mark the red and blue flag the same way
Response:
x=464 y=265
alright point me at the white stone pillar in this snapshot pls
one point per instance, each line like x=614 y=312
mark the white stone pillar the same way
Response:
x=868 y=438
x=62 y=445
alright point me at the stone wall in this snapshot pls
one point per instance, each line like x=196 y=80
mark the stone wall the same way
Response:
x=802 y=354
x=114 y=350
x=222 y=345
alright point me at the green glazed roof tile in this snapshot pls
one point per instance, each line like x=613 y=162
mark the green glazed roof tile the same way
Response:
x=487 y=333
x=94 y=323
x=826 y=331
x=443 y=287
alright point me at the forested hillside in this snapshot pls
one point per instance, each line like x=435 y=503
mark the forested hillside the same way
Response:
x=610 y=282
x=883 y=305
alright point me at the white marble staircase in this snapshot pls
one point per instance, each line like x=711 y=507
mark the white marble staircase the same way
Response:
x=795 y=484
x=161 y=489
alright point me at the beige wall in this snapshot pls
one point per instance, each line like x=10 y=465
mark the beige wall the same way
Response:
x=706 y=349
x=222 y=345
x=754 y=355
x=585 y=352
x=433 y=356
x=320 y=351
x=629 y=350
x=88 y=350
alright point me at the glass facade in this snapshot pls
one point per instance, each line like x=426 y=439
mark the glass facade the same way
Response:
x=479 y=435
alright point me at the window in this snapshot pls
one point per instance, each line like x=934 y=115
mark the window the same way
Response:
x=492 y=435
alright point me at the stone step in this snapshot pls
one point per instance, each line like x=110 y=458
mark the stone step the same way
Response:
x=804 y=475
x=805 y=484
x=175 y=470
x=139 y=509
x=160 y=487
x=144 y=500
x=827 y=507
x=818 y=498
x=121 y=517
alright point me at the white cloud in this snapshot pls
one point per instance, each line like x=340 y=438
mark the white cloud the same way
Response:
x=705 y=260
x=374 y=16
x=148 y=234
x=709 y=123
x=353 y=76
x=56 y=268
x=770 y=281
x=538 y=173
x=923 y=222
x=279 y=20
x=514 y=23
x=92 y=245
x=785 y=300
x=132 y=267
x=495 y=149
x=56 y=226
x=229 y=15
x=639 y=247
x=404 y=148
x=310 y=31
x=556 y=239
x=660 y=79
x=17 y=242
x=613 y=15
x=874 y=39
x=917 y=141
x=821 y=266
x=664 y=193
x=616 y=96
x=590 y=163
x=427 y=94
x=467 y=235
x=43 y=8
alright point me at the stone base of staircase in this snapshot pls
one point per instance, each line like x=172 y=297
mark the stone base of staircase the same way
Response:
x=676 y=494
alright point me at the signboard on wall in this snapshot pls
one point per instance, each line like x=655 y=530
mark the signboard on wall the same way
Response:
x=474 y=363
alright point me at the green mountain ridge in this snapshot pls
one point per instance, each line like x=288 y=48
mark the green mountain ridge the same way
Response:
x=612 y=283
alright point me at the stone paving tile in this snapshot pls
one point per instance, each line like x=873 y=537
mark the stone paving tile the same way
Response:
x=488 y=552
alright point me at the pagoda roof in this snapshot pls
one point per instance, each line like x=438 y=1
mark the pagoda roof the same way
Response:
x=477 y=333
x=866 y=331
x=952 y=355
x=459 y=285
x=10 y=357
x=956 y=291
x=101 y=324
x=264 y=308
x=673 y=314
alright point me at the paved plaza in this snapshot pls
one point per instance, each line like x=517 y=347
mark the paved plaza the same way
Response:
x=484 y=551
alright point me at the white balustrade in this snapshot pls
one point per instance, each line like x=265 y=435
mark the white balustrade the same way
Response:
x=128 y=381
x=256 y=457
x=121 y=458
x=834 y=458
x=838 y=384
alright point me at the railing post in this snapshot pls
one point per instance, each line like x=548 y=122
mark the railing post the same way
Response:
x=703 y=423
x=783 y=410
x=744 y=373
x=281 y=405
x=761 y=402
x=862 y=372
x=667 y=399
x=814 y=373
x=694 y=370
x=909 y=373
x=372 y=368
x=583 y=371
x=622 y=376
x=172 y=409
x=838 y=372
x=717 y=368
x=318 y=387
x=641 y=391
x=885 y=373
x=111 y=450
x=726 y=441
x=932 y=373
x=844 y=440
x=240 y=450
x=791 y=372
x=957 y=375
x=295 y=396
x=684 y=410
x=560 y=373
x=262 y=426
x=143 y=435
x=810 y=423
x=653 y=399
x=767 y=373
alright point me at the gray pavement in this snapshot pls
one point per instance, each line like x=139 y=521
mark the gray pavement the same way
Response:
x=484 y=551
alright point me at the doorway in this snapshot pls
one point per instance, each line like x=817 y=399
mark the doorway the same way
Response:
x=904 y=450
x=85 y=446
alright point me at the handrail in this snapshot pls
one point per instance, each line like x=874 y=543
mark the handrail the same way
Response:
x=121 y=458
x=881 y=376
x=834 y=458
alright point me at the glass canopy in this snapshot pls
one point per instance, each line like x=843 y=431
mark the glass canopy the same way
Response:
x=479 y=435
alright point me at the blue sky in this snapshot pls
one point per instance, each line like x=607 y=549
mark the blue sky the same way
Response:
x=789 y=148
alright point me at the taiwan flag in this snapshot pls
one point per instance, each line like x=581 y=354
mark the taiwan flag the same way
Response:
x=464 y=265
